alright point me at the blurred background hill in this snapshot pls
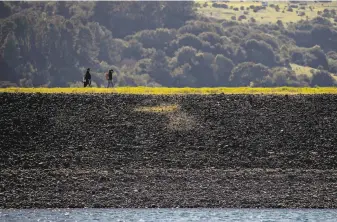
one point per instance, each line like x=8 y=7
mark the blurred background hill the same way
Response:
x=173 y=44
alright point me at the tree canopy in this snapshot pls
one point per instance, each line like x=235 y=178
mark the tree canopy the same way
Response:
x=158 y=44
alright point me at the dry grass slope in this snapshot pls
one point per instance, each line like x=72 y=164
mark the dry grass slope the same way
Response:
x=306 y=70
x=268 y=15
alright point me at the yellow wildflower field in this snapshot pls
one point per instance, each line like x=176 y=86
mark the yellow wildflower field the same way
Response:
x=185 y=90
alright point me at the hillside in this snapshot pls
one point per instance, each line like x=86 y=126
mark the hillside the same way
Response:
x=170 y=44
x=123 y=150
x=286 y=11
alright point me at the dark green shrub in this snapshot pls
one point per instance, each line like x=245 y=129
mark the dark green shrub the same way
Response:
x=301 y=14
x=247 y=72
x=242 y=17
x=321 y=78
x=277 y=8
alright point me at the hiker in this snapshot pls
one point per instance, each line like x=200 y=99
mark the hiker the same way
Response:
x=108 y=76
x=87 y=78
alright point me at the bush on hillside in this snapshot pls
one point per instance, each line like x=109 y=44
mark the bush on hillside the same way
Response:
x=301 y=14
x=277 y=8
x=229 y=23
x=210 y=37
x=222 y=68
x=217 y=5
x=333 y=66
x=280 y=23
x=321 y=21
x=332 y=55
x=281 y=76
x=190 y=40
x=247 y=72
x=313 y=57
x=321 y=78
x=242 y=17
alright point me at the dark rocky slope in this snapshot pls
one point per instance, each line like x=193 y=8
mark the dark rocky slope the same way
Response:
x=213 y=151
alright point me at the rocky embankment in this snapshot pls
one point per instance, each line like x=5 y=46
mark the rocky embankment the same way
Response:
x=211 y=151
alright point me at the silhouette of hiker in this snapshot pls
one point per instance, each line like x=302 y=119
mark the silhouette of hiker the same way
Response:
x=87 y=78
x=109 y=78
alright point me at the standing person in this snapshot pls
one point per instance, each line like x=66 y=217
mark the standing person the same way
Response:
x=87 y=78
x=109 y=78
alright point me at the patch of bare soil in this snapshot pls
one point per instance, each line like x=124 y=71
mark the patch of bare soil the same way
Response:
x=209 y=151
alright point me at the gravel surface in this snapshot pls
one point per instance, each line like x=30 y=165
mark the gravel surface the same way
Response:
x=212 y=151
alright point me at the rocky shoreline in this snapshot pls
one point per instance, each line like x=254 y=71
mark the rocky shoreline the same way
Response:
x=100 y=150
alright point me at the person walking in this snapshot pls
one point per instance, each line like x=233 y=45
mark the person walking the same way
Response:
x=108 y=76
x=87 y=78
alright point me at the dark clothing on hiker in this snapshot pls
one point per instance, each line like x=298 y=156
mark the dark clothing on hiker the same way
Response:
x=110 y=78
x=87 y=78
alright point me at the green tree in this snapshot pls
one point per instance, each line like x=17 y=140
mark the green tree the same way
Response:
x=247 y=72
x=134 y=50
x=158 y=69
x=222 y=69
x=260 y=52
x=84 y=46
x=210 y=37
x=186 y=54
x=190 y=40
x=322 y=78
x=202 y=69
x=5 y=10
